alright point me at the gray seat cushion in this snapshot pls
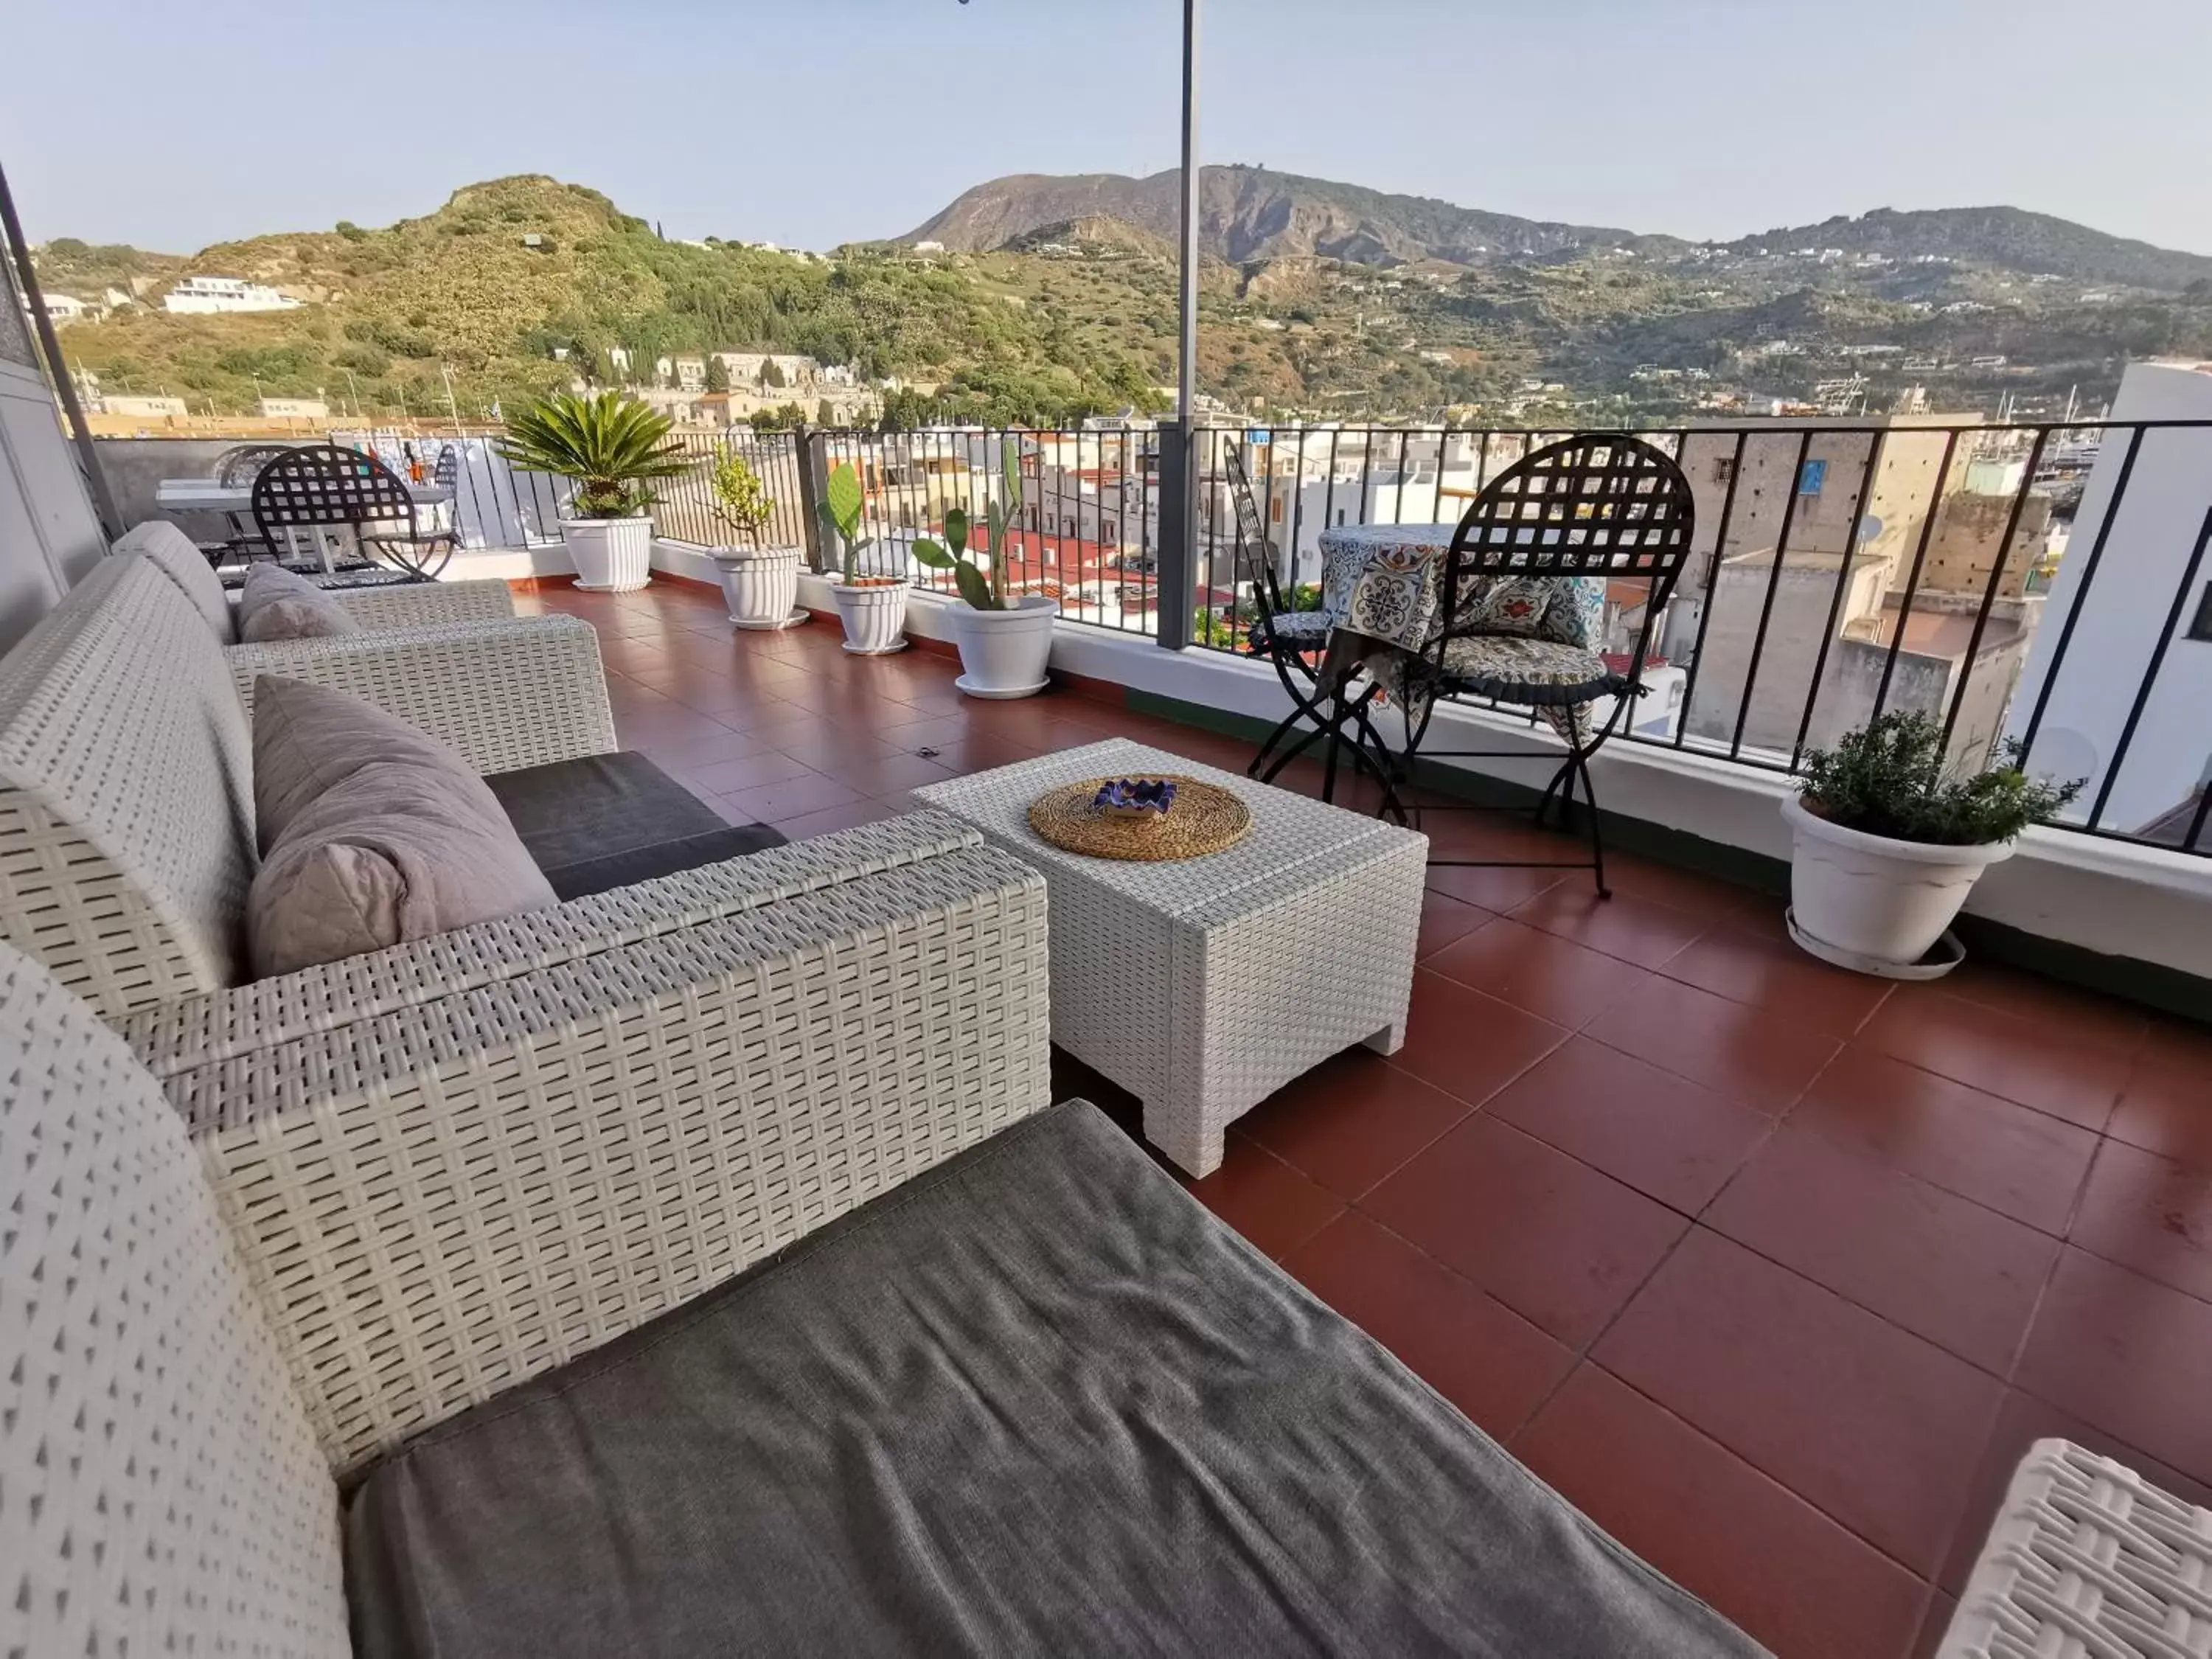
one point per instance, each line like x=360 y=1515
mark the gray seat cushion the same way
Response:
x=1037 y=1400
x=608 y=821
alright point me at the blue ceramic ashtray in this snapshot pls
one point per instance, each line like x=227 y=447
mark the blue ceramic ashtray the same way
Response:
x=1136 y=798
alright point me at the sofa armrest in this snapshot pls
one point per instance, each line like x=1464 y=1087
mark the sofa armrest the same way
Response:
x=190 y=1033
x=506 y=694
x=439 y=1202
x=418 y=605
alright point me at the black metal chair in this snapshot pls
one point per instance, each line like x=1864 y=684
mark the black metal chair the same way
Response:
x=240 y=464
x=324 y=485
x=1289 y=638
x=1598 y=506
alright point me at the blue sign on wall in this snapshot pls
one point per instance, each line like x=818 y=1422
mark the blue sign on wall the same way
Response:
x=1811 y=477
x=1258 y=436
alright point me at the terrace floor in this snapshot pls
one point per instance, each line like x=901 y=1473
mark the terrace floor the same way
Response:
x=1773 y=1270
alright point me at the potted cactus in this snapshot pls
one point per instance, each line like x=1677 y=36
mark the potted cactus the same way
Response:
x=872 y=608
x=610 y=445
x=760 y=583
x=1004 y=647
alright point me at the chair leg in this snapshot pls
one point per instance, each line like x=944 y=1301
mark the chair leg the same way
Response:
x=1596 y=825
x=1290 y=723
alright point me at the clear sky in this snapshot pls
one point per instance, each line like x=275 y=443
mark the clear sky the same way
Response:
x=812 y=122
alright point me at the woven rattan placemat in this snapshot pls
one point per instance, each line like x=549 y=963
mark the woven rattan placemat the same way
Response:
x=1205 y=818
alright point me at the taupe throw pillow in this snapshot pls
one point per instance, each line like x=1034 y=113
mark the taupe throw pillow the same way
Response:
x=276 y=604
x=374 y=834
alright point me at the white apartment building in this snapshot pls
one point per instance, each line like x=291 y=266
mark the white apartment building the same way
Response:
x=2148 y=549
x=295 y=409
x=214 y=293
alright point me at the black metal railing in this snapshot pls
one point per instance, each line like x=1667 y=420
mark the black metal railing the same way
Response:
x=687 y=509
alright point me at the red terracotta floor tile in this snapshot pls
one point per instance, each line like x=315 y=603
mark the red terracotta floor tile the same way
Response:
x=1668 y=1138
x=2149 y=1214
x=2068 y=1011
x=1963 y=1277
x=2020 y=1162
x=1470 y=1347
x=1755 y=1551
x=1781 y=979
x=659 y=729
x=727 y=777
x=1264 y=1198
x=1351 y=1121
x=705 y=751
x=1494 y=888
x=1551 y=1238
x=1877 y=1427
x=2029 y=1061
x=1935 y=1625
x=1748 y=1056
x=1443 y=920
x=976 y=754
x=2127 y=1354
x=791 y=798
x=831 y=818
x=2022 y=1421
x=2166 y=1105
x=1551 y=977
x=1634 y=929
x=1468 y=1044
x=883 y=774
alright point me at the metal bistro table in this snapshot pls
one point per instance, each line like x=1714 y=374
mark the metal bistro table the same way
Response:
x=206 y=495
x=1381 y=591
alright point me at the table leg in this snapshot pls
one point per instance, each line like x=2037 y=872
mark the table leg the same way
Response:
x=1182 y=1134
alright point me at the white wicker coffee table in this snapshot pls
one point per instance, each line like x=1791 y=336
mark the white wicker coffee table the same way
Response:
x=1203 y=984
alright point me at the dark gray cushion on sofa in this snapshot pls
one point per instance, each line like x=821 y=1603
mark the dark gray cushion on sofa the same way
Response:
x=1037 y=1400
x=605 y=821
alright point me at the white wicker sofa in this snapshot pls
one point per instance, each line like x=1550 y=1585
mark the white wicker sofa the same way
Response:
x=450 y=658
x=453 y=1164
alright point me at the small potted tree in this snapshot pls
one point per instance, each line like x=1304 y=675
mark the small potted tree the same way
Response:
x=871 y=607
x=760 y=584
x=1004 y=648
x=1886 y=847
x=610 y=445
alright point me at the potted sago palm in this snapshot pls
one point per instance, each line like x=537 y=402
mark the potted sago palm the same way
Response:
x=610 y=445
x=1887 y=845
x=872 y=608
x=760 y=583
x=1003 y=646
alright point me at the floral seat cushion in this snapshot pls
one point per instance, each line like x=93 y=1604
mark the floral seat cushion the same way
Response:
x=1307 y=629
x=1514 y=668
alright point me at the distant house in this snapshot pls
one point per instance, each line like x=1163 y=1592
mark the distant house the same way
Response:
x=142 y=408
x=295 y=409
x=929 y=247
x=63 y=308
x=213 y=294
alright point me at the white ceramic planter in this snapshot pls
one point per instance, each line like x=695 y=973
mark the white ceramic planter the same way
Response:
x=1869 y=902
x=874 y=617
x=611 y=556
x=1004 y=652
x=761 y=585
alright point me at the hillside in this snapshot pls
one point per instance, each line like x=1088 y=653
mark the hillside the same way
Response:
x=2001 y=238
x=1249 y=214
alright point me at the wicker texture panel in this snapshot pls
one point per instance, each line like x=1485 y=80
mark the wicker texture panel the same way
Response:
x=174 y=554
x=126 y=797
x=178 y=1037
x=2086 y=1560
x=418 y=605
x=522 y=692
x=160 y=1488
x=1205 y=985
x=438 y=1204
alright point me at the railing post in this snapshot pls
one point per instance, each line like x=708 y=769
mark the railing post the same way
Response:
x=813 y=474
x=1173 y=590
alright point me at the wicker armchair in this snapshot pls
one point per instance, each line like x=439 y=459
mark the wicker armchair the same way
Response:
x=450 y=1165
x=451 y=657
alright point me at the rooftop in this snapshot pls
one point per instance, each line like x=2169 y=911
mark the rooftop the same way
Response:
x=1774 y=1270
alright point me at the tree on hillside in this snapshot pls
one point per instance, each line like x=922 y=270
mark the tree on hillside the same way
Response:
x=771 y=372
x=825 y=414
x=718 y=373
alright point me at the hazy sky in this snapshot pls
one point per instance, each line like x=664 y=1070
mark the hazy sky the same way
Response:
x=812 y=122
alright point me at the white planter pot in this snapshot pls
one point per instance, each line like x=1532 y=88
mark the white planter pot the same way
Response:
x=1869 y=902
x=874 y=617
x=1004 y=652
x=611 y=556
x=761 y=585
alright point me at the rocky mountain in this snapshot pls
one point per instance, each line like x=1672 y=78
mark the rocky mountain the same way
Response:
x=1248 y=214
x=2001 y=238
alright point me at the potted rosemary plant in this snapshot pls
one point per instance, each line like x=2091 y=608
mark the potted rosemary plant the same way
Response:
x=871 y=607
x=611 y=446
x=760 y=584
x=1004 y=648
x=1886 y=846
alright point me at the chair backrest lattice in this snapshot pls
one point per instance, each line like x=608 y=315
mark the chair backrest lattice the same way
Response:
x=1598 y=504
x=325 y=484
x=243 y=464
x=1252 y=543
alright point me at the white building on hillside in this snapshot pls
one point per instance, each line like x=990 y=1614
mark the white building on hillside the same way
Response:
x=212 y=294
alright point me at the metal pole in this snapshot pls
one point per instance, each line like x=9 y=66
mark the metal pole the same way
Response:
x=103 y=499
x=1174 y=587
